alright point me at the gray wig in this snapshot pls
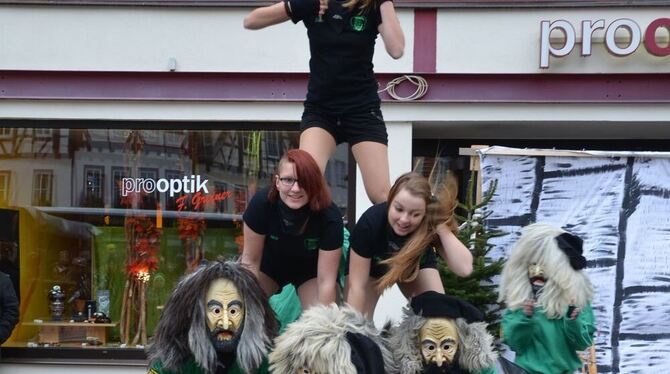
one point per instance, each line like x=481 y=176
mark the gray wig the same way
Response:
x=182 y=332
x=564 y=285
x=475 y=350
x=317 y=340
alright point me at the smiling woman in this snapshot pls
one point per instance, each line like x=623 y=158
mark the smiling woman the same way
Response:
x=398 y=242
x=293 y=232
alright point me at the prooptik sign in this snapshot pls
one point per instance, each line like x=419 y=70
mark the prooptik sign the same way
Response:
x=174 y=186
x=588 y=27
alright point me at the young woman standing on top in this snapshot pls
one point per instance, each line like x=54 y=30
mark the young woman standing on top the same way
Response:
x=342 y=103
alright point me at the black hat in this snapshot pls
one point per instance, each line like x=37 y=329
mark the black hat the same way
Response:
x=572 y=246
x=365 y=354
x=431 y=304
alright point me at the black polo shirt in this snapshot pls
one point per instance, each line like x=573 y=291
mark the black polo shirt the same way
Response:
x=341 y=76
x=324 y=229
x=374 y=238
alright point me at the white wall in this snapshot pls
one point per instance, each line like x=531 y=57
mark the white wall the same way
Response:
x=137 y=38
x=121 y=38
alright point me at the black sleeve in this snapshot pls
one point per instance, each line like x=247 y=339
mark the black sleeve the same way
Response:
x=332 y=235
x=258 y=211
x=300 y=10
x=366 y=230
x=9 y=306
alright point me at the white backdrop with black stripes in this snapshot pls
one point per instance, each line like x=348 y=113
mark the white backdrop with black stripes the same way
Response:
x=619 y=203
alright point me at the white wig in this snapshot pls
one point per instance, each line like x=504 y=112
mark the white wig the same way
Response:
x=564 y=285
x=318 y=341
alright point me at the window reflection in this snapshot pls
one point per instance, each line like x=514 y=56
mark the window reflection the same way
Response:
x=116 y=216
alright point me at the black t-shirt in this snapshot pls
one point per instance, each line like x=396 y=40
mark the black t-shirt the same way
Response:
x=374 y=238
x=324 y=229
x=341 y=78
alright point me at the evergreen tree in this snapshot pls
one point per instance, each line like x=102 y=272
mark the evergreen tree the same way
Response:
x=478 y=288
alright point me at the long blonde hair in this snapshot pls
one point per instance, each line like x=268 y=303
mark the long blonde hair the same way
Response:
x=403 y=266
x=363 y=5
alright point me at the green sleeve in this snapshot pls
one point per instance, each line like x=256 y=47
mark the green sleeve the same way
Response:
x=580 y=330
x=189 y=367
x=517 y=329
x=155 y=368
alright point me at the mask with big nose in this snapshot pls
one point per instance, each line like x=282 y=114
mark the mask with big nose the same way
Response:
x=439 y=342
x=225 y=315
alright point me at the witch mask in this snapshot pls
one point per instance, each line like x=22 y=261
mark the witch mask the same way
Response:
x=225 y=315
x=439 y=341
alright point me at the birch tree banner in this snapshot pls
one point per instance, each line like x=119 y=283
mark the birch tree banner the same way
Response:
x=619 y=203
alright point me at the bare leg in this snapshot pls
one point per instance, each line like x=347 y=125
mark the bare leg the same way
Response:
x=267 y=284
x=318 y=143
x=427 y=280
x=372 y=158
x=308 y=294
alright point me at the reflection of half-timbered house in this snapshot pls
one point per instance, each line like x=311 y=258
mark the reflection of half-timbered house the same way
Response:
x=85 y=167
x=34 y=167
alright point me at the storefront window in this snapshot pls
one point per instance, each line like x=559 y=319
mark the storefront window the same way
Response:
x=114 y=217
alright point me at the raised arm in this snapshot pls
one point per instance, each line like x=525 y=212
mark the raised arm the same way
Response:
x=252 y=252
x=267 y=16
x=454 y=253
x=390 y=30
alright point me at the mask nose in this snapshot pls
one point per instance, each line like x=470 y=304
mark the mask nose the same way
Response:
x=223 y=322
x=439 y=359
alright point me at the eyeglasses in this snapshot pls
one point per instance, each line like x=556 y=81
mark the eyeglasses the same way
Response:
x=288 y=181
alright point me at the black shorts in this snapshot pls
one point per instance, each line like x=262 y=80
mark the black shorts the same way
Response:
x=284 y=269
x=350 y=127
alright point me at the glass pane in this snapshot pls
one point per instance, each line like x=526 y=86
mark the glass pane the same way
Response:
x=115 y=216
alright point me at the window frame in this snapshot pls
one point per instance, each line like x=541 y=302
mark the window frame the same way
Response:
x=5 y=183
x=101 y=169
x=116 y=190
x=37 y=199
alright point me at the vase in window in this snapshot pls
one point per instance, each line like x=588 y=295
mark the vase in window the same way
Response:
x=56 y=303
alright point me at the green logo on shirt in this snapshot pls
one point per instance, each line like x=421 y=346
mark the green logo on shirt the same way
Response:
x=358 y=22
x=311 y=243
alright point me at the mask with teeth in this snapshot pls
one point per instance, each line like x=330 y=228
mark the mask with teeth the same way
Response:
x=536 y=278
x=225 y=315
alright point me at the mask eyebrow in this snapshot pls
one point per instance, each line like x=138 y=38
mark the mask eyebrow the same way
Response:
x=235 y=302
x=212 y=303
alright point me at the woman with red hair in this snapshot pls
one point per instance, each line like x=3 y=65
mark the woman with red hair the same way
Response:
x=293 y=232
